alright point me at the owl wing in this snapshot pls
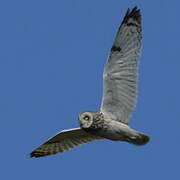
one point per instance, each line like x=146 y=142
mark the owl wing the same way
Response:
x=121 y=70
x=63 y=141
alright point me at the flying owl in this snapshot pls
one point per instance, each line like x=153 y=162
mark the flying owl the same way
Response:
x=119 y=96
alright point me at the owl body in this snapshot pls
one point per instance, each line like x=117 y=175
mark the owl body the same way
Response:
x=110 y=129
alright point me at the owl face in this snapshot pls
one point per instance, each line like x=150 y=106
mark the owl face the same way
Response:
x=86 y=119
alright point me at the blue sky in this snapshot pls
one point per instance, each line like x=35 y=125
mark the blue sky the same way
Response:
x=52 y=55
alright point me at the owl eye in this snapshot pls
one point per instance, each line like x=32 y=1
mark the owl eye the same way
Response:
x=86 y=117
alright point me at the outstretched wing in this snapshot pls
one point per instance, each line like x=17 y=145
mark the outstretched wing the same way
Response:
x=63 y=141
x=121 y=70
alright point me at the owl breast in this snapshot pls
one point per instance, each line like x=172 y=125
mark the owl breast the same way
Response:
x=110 y=129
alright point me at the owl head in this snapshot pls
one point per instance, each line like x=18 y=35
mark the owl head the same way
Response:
x=86 y=119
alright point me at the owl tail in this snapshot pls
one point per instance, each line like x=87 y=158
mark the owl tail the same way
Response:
x=141 y=139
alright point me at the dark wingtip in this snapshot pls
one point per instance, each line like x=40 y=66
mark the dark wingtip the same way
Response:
x=32 y=154
x=135 y=13
x=37 y=154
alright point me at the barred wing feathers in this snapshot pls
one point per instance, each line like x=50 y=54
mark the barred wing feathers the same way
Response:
x=63 y=141
x=121 y=71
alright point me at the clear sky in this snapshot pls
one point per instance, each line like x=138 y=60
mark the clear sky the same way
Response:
x=52 y=55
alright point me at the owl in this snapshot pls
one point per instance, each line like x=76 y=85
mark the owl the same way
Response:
x=120 y=77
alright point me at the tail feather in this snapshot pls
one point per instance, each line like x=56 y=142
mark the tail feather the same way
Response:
x=141 y=139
